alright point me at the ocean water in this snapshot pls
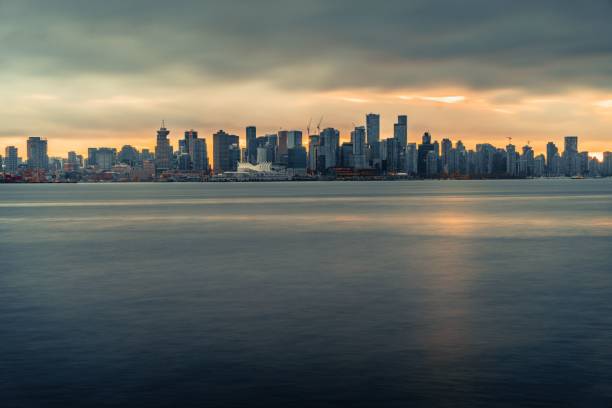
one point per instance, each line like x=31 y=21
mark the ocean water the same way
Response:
x=361 y=294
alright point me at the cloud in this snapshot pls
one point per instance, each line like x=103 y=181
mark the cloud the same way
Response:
x=317 y=44
x=443 y=99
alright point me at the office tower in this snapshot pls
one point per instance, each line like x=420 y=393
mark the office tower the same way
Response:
x=539 y=165
x=37 y=153
x=11 y=159
x=400 y=131
x=196 y=150
x=390 y=155
x=190 y=136
x=251 y=144
x=234 y=156
x=431 y=164
x=511 y=161
x=294 y=139
x=373 y=135
x=570 y=158
x=225 y=157
x=583 y=163
x=72 y=158
x=346 y=155
x=183 y=160
x=330 y=142
x=262 y=155
x=199 y=156
x=106 y=158
x=163 y=150
x=313 y=152
x=552 y=160
x=551 y=151
x=91 y=156
x=424 y=149
x=447 y=146
x=526 y=162
x=297 y=158
x=411 y=159
x=281 y=150
x=358 y=141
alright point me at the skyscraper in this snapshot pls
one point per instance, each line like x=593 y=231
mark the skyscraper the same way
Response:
x=358 y=139
x=37 y=153
x=400 y=131
x=424 y=149
x=251 y=144
x=163 y=150
x=200 y=156
x=294 y=139
x=552 y=160
x=511 y=161
x=11 y=159
x=330 y=142
x=447 y=146
x=282 y=147
x=373 y=135
x=571 y=160
x=224 y=152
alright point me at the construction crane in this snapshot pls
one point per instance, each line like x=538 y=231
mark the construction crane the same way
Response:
x=308 y=127
x=319 y=125
x=509 y=140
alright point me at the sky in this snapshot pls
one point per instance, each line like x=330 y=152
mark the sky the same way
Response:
x=105 y=73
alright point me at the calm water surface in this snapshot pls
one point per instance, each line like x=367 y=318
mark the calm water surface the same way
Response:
x=422 y=294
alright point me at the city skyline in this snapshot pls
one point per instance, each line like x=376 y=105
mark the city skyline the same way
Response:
x=319 y=153
x=104 y=74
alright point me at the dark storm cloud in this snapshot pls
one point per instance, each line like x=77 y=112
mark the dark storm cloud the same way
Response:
x=315 y=44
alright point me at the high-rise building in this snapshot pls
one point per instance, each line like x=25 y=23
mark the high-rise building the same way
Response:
x=424 y=149
x=37 y=153
x=196 y=150
x=226 y=152
x=330 y=142
x=373 y=135
x=251 y=144
x=163 y=150
x=11 y=159
x=571 y=161
x=297 y=158
x=411 y=159
x=106 y=158
x=511 y=161
x=313 y=153
x=358 y=141
x=446 y=147
x=294 y=139
x=400 y=131
x=281 y=151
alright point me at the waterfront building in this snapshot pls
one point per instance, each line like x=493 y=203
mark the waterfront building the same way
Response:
x=226 y=152
x=37 y=153
x=163 y=150
x=423 y=151
x=330 y=143
x=400 y=131
x=571 y=163
x=251 y=144
x=358 y=144
x=411 y=159
x=11 y=159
